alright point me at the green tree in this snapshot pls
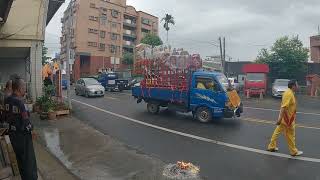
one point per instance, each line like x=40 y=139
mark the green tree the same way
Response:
x=128 y=59
x=287 y=58
x=152 y=40
x=45 y=59
x=168 y=19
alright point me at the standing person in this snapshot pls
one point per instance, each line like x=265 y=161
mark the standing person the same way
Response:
x=286 y=120
x=20 y=129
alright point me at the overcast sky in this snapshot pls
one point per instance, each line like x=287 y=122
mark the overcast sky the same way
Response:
x=248 y=25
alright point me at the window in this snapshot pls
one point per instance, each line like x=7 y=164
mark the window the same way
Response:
x=72 y=32
x=79 y=81
x=145 y=21
x=114 y=13
x=94 y=31
x=255 y=77
x=103 y=19
x=113 y=49
x=207 y=84
x=91 y=81
x=103 y=9
x=93 y=18
x=114 y=36
x=92 y=44
x=102 y=34
x=92 y=5
x=102 y=46
x=223 y=81
x=113 y=25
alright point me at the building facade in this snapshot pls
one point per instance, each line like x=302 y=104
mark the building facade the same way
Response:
x=22 y=33
x=315 y=48
x=99 y=32
x=212 y=63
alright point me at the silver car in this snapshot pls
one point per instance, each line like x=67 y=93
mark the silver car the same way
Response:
x=279 y=87
x=89 y=87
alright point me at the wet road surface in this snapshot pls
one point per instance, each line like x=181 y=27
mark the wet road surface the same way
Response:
x=224 y=149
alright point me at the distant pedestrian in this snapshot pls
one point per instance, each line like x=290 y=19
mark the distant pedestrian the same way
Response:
x=20 y=129
x=286 y=120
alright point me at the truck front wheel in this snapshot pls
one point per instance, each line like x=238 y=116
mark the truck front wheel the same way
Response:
x=153 y=108
x=203 y=115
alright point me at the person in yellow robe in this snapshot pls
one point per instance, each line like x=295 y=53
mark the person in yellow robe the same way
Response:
x=286 y=121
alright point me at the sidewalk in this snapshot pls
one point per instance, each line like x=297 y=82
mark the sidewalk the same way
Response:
x=89 y=154
x=49 y=168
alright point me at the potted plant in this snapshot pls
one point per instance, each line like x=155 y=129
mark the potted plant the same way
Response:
x=52 y=114
x=48 y=110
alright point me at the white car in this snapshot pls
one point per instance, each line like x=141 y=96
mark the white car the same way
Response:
x=279 y=87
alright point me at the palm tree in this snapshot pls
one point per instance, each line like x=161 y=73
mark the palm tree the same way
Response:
x=168 y=19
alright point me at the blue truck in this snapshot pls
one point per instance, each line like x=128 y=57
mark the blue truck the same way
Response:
x=111 y=82
x=205 y=103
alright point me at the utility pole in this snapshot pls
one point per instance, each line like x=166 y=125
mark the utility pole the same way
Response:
x=221 y=55
x=68 y=57
x=224 y=54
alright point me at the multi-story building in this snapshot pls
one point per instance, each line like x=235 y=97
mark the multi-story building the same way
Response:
x=315 y=48
x=100 y=31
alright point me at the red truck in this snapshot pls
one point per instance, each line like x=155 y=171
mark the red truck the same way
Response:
x=256 y=79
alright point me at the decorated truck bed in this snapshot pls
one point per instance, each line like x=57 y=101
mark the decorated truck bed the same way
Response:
x=174 y=79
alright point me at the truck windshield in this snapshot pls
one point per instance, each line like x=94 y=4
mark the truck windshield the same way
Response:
x=224 y=81
x=255 y=77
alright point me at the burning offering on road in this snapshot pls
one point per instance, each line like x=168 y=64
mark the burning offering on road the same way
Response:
x=182 y=170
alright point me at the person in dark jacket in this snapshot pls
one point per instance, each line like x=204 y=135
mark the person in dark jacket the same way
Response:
x=20 y=129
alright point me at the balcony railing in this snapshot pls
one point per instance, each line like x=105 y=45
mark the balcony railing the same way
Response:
x=128 y=44
x=129 y=33
x=128 y=22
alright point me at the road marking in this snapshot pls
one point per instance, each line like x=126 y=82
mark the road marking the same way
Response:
x=273 y=123
x=108 y=97
x=259 y=151
x=274 y=110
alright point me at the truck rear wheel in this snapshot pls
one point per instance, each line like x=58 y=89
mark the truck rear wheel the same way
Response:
x=203 y=115
x=153 y=108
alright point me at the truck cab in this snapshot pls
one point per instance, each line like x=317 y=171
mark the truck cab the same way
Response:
x=211 y=91
x=256 y=79
x=108 y=81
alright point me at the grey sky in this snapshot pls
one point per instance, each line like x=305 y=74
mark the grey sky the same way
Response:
x=248 y=25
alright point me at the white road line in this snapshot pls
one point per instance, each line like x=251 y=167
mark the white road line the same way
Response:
x=202 y=138
x=274 y=110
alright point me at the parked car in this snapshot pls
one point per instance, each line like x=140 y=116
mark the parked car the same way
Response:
x=135 y=82
x=89 y=87
x=279 y=86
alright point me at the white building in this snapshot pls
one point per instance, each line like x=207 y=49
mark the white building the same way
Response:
x=212 y=63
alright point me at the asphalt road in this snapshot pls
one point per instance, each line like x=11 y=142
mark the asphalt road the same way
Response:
x=224 y=149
